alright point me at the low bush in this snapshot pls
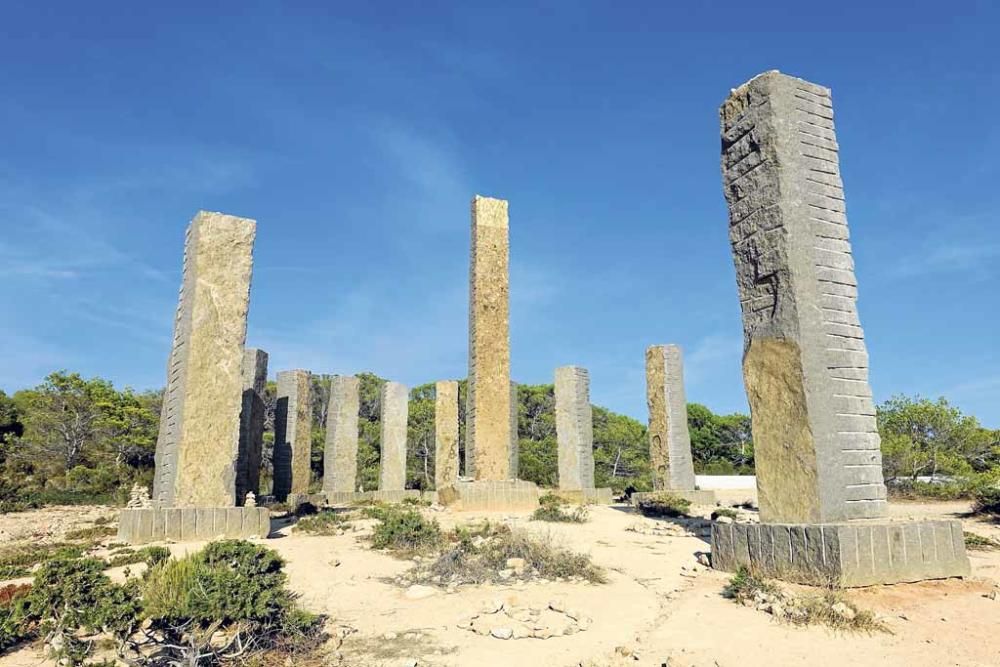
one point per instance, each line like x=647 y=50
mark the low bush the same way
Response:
x=405 y=531
x=13 y=628
x=980 y=543
x=326 y=522
x=151 y=556
x=986 y=501
x=93 y=533
x=727 y=512
x=830 y=607
x=16 y=560
x=917 y=490
x=550 y=500
x=664 y=504
x=556 y=514
x=416 y=502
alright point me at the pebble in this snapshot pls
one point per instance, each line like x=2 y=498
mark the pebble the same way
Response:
x=502 y=633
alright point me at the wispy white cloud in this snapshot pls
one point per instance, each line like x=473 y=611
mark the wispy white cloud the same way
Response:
x=967 y=257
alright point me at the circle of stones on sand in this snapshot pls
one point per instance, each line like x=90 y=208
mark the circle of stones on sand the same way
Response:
x=502 y=620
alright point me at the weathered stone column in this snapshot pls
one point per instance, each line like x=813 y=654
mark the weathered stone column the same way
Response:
x=669 y=441
x=445 y=433
x=251 y=423
x=292 y=433
x=574 y=428
x=198 y=442
x=394 y=413
x=805 y=365
x=340 y=461
x=816 y=445
x=488 y=411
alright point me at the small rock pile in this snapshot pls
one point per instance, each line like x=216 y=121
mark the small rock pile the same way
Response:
x=685 y=528
x=507 y=621
x=138 y=498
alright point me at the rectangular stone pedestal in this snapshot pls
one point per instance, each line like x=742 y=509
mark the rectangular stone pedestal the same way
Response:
x=845 y=554
x=192 y=524
x=598 y=496
x=490 y=496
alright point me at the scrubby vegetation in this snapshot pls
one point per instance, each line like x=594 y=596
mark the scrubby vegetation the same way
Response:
x=979 y=542
x=222 y=605
x=404 y=531
x=324 y=522
x=553 y=508
x=664 y=505
x=986 y=501
x=829 y=607
x=151 y=556
x=727 y=512
x=16 y=560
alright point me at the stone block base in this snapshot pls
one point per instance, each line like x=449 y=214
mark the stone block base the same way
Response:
x=490 y=496
x=192 y=524
x=601 y=496
x=845 y=554
x=696 y=496
x=351 y=498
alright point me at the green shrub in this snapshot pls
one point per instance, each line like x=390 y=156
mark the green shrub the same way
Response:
x=557 y=514
x=405 y=530
x=93 y=533
x=918 y=490
x=986 y=500
x=327 y=522
x=16 y=560
x=151 y=556
x=550 y=500
x=727 y=512
x=980 y=543
x=14 y=627
x=664 y=504
x=416 y=502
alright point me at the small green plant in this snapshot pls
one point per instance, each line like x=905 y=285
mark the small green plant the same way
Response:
x=17 y=560
x=416 y=502
x=151 y=556
x=987 y=501
x=405 y=531
x=727 y=512
x=550 y=500
x=980 y=543
x=13 y=628
x=327 y=522
x=830 y=608
x=664 y=504
x=556 y=514
x=91 y=534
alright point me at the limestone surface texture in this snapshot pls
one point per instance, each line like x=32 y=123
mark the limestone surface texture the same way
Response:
x=574 y=428
x=859 y=553
x=340 y=460
x=190 y=524
x=445 y=433
x=488 y=409
x=805 y=364
x=394 y=412
x=198 y=442
x=251 y=423
x=292 y=433
x=669 y=440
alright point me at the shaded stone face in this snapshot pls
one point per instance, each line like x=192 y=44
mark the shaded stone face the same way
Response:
x=251 y=423
x=574 y=428
x=340 y=462
x=669 y=441
x=488 y=411
x=805 y=363
x=292 y=433
x=446 y=433
x=395 y=409
x=198 y=443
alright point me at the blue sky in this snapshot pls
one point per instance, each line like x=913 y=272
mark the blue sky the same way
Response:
x=356 y=136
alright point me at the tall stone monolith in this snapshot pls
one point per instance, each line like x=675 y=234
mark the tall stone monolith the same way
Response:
x=805 y=365
x=669 y=440
x=340 y=460
x=292 y=433
x=445 y=433
x=251 y=423
x=574 y=428
x=198 y=443
x=394 y=412
x=488 y=409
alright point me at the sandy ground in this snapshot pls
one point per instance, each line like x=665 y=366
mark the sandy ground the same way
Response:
x=659 y=608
